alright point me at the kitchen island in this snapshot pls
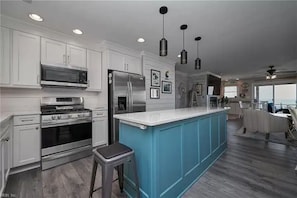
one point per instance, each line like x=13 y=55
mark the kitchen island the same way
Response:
x=173 y=148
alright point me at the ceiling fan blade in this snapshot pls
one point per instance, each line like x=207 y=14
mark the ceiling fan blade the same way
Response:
x=285 y=72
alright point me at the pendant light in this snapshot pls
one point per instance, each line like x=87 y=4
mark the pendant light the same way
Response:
x=163 y=42
x=198 y=60
x=183 y=54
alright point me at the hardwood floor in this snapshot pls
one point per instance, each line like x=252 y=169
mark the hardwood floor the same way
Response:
x=249 y=168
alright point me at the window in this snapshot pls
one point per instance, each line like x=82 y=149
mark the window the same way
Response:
x=284 y=95
x=281 y=95
x=266 y=93
x=230 y=91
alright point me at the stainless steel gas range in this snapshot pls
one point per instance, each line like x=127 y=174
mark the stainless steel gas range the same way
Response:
x=66 y=130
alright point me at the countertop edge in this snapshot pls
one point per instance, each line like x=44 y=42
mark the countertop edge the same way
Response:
x=156 y=123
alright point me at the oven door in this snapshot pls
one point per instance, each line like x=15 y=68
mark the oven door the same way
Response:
x=60 y=138
x=58 y=76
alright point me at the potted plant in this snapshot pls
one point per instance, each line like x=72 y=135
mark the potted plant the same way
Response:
x=224 y=100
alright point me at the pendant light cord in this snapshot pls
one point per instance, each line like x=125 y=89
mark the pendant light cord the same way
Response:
x=197 y=50
x=183 y=39
x=163 y=25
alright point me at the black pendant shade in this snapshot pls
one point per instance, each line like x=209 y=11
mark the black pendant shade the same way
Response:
x=163 y=47
x=198 y=60
x=163 y=42
x=183 y=57
x=198 y=63
x=183 y=54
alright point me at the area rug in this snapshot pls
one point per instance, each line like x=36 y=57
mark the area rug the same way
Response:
x=274 y=137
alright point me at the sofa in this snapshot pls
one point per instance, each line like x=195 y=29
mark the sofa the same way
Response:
x=264 y=122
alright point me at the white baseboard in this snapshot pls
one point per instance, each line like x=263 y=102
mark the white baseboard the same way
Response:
x=24 y=168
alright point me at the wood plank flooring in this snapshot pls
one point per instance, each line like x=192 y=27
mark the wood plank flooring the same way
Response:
x=249 y=168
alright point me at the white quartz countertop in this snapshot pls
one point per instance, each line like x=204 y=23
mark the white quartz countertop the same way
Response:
x=7 y=115
x=153 y=118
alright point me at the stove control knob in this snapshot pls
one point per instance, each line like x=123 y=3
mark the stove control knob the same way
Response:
x=54 y=117
x=59 y=117
x=69 y=116
x=79 y=115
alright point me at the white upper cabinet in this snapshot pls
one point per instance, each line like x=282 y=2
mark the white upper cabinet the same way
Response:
x=94 y=65
x=25 y=59
x=133 y=64
x=53 y=52
x=5 y=56
x=60 y=54
x=126 y=63
x=76 y=56
x=117 y=61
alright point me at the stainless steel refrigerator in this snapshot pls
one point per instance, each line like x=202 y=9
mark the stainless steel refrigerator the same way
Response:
x=126 y=94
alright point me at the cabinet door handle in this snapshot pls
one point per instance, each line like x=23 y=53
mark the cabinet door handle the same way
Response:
x=127 y=66
x=68 y=59
x=88 y=83
x=38 y=79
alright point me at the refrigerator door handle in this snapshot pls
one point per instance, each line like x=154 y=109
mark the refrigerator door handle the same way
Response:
x=128 y=97
x=131 y=91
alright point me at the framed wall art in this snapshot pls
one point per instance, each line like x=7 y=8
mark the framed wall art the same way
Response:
x=166 y=87
x=155 y=78
x=154 y=93
x=198 y=89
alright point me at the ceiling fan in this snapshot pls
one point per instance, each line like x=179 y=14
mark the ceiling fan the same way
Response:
x=272 y=73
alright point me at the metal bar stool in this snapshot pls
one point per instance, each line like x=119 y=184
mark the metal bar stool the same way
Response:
x=109 y=157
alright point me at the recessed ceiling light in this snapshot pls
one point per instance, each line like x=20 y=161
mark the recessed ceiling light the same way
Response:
x=77 y=31
x=140 y=40
x=35 y=17
x=237 y=79
x=178 y=56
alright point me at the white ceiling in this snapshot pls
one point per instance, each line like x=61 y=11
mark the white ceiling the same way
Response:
x=238 y=38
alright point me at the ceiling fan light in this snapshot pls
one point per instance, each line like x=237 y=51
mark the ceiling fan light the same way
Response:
x=270 y=77
x=183 y=57
x=273 y=76
x=163 y=47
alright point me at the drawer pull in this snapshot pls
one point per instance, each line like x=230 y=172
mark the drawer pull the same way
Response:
x=37 y=128
x=27 y=120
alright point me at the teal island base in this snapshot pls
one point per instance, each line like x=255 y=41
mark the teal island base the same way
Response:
x=171 y=157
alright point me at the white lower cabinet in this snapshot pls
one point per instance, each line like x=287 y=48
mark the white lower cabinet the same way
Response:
x=5 y=154
x=99 y=128
x=26 y=140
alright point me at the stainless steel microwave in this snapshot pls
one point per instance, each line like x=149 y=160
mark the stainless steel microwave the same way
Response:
x=64 y=77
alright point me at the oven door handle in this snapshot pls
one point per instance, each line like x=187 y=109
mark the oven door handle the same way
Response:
x=49 y=124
